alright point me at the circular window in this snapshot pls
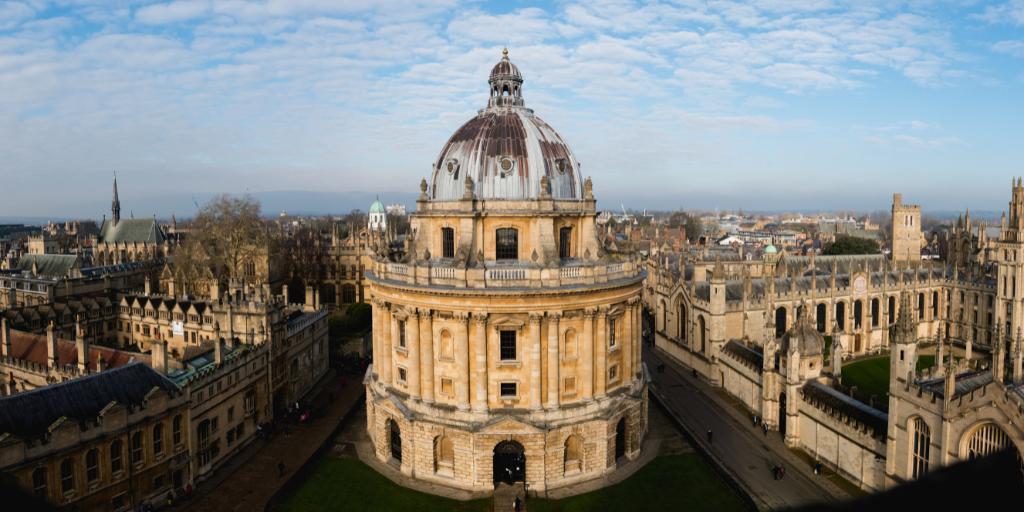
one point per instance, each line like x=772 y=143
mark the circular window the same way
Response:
x=507 y=164
x=451 y=165
x=561 y=165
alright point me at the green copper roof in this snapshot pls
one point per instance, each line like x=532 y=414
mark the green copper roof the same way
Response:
x=377 y=207
x=771 y=250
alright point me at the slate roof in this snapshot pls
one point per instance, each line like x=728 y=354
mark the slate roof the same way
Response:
x=744 y=353
x=817 y=394
x=965 y=383
x=131 y=231
x=33 y=412
x=58 y=265
x=32 y=348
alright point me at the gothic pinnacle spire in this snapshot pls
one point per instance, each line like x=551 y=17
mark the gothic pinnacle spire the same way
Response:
x=115 y=204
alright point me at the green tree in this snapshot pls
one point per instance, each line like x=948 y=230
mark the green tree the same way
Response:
x=852 y=245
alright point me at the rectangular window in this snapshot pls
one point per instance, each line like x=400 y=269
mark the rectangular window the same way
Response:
x=401 y=375
x=401 y=334
x=446 y=386
x=507 y=244
x=565 y=242
x=158 y=482
x=508 y=389
x=611 y=332
x=214 y=424
x=508 y=345
x=118 y=501
x=448 y=242
x=570 y=385
x=231 y=414
x=612 y=372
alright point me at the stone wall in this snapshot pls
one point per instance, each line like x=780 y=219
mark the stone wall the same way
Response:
x=843 y=447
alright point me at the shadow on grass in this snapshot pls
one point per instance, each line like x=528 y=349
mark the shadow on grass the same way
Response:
x=872 y=375
x=349 y=484
x=669 y=483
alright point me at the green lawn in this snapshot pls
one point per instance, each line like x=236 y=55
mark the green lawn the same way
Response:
x=669 y=483
x=348 y=484
x=872 y=376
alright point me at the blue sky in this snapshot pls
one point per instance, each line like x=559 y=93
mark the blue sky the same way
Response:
x=766 y=105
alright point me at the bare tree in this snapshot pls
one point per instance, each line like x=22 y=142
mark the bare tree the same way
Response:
x=192 y=269
x=232 y=234
x=307 y=255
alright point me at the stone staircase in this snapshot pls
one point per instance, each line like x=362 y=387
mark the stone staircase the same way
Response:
x=505 y=495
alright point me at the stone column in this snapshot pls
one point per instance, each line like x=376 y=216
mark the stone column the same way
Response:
x=601 y=354
x=535 y=369
x=638 y=340
x=626 y=368
x=462 y=360
x=587 y=356
x=427 y=359
x=480 y=404
x=412 y=342
x=554 y=381
x=376 y=327
x=383 y=363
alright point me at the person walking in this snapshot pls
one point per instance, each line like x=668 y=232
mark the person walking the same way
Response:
x=755 y=421
x=517 y=504
x=710 y=435
x=817 y=468
x=280 y=469
x=782 y=471
x=764 y=426
x=775 y=473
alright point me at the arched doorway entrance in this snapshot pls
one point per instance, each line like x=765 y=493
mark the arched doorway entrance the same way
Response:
x=782 y=414
x=509 y=462
x=396 y=441
x=856 y=344
x=620 y=438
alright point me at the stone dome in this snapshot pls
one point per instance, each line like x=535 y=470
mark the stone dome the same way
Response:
x=808 y=340
x=506 y=150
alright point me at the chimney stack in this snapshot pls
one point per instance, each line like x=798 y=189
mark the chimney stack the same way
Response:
x=310 y=301
x=100 y=363
x=5 y=331
x=12 y=387
x=52 y=358
x=284 y=293
x=160 y=356
x=147 y=286
x=83 y=349
x=218 y=352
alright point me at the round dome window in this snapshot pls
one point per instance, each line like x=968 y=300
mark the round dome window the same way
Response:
x=507 y=164
x=451 y=166
x=561 y=165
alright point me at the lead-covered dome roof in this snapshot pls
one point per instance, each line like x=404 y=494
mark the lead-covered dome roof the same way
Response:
x=506 y=150
x=808 y=340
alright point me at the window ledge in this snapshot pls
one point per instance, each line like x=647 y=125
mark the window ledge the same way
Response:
x=570 y=358
x=400 y=350
x=510 y=364
x=446 y=359
x=614 y=349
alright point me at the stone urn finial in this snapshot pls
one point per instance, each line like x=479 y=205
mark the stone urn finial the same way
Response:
x=588 y=189
x=423 y=190
x=469 y=187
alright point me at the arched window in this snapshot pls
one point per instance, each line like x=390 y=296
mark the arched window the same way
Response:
x=158 y=439
x=820 y=312
x=700 y=327
x=570 y=343
x=136 y=447
x=507 y=244
x=874 y=312
x=922 y=444
x=565 y=242
x=115 y=456
x=447 y=243
x=67 y=476
x=176 y=429
x=986 y=440
x=841 y=315
x=780 y=322
x=447 y=349
x=39 y=483
x=682 y=321
x=573 y=454
x=858 y=314
x=348 y=294
x=92 y=465
x=892 y=309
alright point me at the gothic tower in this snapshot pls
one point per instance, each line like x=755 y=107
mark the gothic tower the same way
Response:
x=115 y=205
x=906 y=238
x=903 y=347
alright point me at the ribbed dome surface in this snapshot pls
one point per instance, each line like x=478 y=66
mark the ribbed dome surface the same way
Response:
x=506 y=150
x=808 y=340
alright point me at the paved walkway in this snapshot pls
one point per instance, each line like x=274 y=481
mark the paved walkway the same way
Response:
x=745 y=452
x=250 y=479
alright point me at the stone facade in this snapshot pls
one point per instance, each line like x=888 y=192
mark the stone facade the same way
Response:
x=506 y=338
x=730 y=331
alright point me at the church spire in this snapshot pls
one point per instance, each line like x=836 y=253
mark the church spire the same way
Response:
x=115 y=205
